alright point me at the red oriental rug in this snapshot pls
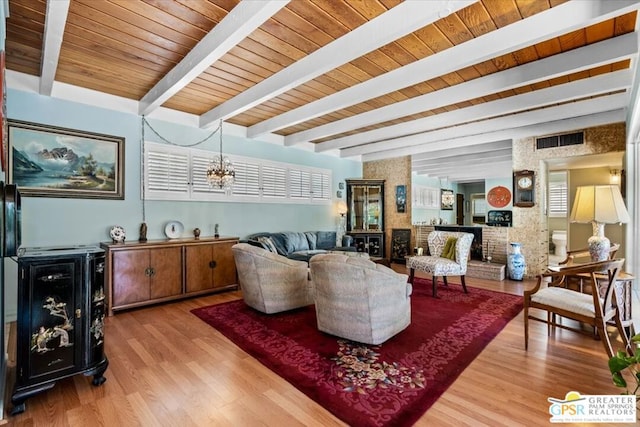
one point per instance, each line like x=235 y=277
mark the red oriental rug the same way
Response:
x=391 y=384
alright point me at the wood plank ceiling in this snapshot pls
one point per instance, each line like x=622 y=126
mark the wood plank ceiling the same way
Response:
x=370 y=79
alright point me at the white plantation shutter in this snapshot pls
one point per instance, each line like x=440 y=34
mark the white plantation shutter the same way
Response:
x=558 y=199
x=247 y=179
x=320 y=187
x=425 y=197
x=274 y=182
x=299 y=184
x=180 y=173
x=167 y=173
x=199 y=183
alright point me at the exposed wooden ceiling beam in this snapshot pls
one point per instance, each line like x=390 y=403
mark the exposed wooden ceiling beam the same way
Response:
x=399 y=21
x=584 y=107
x=55 y=22
x=542 y=26
x=571 y=62
x=545 y=128
x=237 y=25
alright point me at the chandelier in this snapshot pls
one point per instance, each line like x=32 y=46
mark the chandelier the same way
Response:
x=220 y=172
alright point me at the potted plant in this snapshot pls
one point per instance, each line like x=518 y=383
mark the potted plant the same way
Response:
x=622 y=361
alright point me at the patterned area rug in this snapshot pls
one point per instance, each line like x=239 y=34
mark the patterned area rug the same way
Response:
x=392 y=384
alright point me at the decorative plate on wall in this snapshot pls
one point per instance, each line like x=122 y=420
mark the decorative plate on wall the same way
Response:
x=499 y=196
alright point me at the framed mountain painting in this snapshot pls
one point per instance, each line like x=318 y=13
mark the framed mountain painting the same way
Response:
x=47 y=161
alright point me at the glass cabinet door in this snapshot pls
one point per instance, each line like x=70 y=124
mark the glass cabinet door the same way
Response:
x=365 y=203
x=374 y=208
x=358 y=207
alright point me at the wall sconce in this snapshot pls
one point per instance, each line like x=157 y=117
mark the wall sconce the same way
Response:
x=342 y=208
x=339 y=194
x=614 y=176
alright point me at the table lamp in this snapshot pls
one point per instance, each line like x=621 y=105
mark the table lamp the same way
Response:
x=599 y=205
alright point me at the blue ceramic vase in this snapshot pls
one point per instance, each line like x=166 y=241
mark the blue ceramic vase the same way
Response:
x=516 y=264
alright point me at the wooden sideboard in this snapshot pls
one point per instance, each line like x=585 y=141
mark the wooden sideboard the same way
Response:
x=139 y=274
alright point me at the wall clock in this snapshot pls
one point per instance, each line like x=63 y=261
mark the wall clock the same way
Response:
x=524 y=185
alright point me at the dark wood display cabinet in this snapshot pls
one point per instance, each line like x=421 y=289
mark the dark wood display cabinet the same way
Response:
x=156 y=271
x=61 y=311
x=365 y=215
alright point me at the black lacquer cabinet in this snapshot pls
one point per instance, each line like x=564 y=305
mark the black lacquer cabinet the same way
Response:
x=61 y=312
x=365 y=215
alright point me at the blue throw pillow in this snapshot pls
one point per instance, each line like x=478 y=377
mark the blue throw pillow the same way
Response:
x=312 y=239
x=326 y=240
x=295 y=241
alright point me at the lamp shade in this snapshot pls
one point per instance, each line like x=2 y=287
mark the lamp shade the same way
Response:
x=599 y=203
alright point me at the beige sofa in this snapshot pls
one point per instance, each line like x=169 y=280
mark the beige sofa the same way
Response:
x=271 y=283
x=358 y=299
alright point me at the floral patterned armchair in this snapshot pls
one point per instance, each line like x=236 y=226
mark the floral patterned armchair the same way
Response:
x=437 y=264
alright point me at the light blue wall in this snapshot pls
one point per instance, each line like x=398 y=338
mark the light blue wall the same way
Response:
x=58 y=221
x=424 y=216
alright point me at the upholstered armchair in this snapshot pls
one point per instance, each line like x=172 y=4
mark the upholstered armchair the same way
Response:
x=358 y=299
x=440 y=265
x=271 y=283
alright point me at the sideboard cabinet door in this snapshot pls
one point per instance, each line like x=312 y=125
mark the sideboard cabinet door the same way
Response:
x=146 y=274
x=209 y=266
x=166 y=272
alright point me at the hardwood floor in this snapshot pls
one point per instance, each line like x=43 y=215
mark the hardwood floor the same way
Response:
x=168 y=368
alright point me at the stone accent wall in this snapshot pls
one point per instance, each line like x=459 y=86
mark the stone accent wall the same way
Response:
x=530 y=224
x=395 y=171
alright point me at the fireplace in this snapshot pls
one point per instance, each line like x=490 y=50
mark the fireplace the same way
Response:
x=476 y=245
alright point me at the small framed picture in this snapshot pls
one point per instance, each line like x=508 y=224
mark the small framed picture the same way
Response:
x=448 y=200
x=401 y=198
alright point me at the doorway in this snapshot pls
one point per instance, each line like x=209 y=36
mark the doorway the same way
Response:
x=459 y=209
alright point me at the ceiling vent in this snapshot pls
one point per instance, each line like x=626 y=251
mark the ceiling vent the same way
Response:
x=563 y=140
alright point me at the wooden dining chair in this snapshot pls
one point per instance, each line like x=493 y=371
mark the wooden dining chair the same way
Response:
x=584 y=253
x=593 y=308
x=580 y=256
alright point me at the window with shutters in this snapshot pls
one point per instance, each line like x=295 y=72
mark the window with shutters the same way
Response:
x=320 y=186
x=425 y=197
x=247 y=179
x=558 y=194
x=274 y=182
x=166 y=173
x=180 y=173
x=299 y=184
